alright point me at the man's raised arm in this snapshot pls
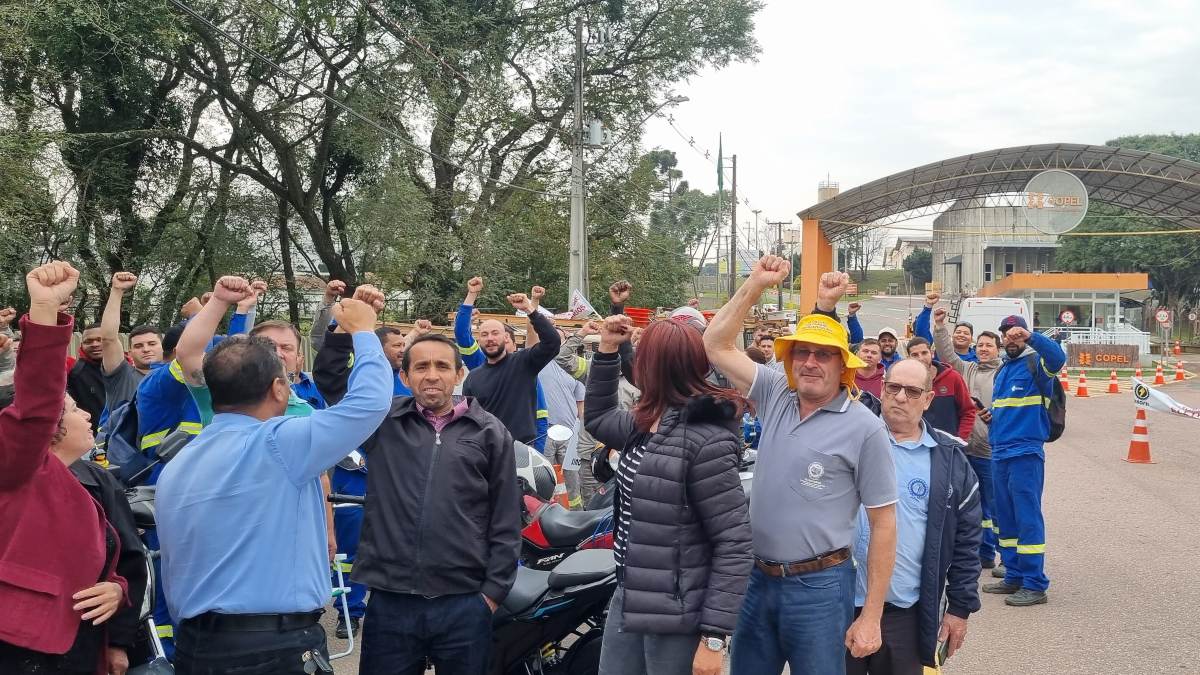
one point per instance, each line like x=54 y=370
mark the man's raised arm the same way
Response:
x=110 y=322
x=472 y=356
x=722 y=332
x=200 y=330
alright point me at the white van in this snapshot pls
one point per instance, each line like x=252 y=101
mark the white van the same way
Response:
x=987 y=313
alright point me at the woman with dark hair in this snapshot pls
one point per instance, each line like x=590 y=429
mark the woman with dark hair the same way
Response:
x=682 y=540
x=58 y=552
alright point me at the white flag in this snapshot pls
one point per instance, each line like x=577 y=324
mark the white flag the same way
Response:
x=1148 y=397
x=580 y=307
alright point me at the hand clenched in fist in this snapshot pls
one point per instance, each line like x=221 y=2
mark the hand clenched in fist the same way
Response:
x=231 y=290
x=770 y=270
x=370 y=295
x=124 y=281
x=354 y=316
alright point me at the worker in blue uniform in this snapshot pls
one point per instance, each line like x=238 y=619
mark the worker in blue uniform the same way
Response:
x=1019 y=427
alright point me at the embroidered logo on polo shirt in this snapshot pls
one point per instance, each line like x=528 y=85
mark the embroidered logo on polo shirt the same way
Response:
x=918 y=488
x=815 y=473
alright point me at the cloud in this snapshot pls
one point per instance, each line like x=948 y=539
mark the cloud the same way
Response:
x=861 y=90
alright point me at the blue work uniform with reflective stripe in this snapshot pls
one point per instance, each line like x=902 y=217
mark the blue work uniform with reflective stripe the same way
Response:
x=164 y=404
x=1018 y=432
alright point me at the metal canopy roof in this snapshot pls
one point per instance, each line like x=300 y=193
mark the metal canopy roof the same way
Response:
x=1143 y=182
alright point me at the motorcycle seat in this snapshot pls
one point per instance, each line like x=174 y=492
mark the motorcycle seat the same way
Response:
x=568 y=528
x=141 y=502
x=583 y=567
x=529 y=586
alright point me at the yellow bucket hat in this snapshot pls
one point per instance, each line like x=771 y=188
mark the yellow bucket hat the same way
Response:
x=819 y=329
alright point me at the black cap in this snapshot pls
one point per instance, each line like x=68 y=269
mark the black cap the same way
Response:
x=171 y=338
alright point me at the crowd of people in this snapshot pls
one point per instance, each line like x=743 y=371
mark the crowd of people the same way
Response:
x=886 y=477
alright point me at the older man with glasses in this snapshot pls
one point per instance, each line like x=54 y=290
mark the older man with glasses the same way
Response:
x=937 y=536
x=821 y=457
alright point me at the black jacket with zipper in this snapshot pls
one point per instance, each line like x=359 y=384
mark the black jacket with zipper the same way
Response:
x=442 y=515
x=689 y=557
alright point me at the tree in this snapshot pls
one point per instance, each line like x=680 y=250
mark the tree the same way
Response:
x=919 y=267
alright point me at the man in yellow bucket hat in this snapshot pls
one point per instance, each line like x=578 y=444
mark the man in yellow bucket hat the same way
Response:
x=821 y=457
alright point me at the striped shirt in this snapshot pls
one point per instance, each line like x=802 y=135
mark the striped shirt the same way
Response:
x=627 y=469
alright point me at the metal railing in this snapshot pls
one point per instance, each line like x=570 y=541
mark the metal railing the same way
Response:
x=1123 y=335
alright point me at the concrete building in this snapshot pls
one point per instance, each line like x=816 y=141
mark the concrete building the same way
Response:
x=976 y=243
x=903 y=248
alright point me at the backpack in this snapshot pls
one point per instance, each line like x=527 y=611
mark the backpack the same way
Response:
x=1058 y=400
x=119 y=441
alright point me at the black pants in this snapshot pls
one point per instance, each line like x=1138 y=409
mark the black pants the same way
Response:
x=899 y=654
x=401 y=631
x=210 y=652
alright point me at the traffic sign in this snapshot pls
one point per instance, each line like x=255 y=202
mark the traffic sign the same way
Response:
x=1067 y=317
x=1162 y=316
x=1191 y=316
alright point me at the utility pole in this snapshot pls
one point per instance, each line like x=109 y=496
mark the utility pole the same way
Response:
x=577 y=276
x=779 y=250
x=757 y=246
x=733 y=234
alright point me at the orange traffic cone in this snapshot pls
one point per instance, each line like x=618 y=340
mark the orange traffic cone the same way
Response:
x=1138 y=372
x=1177 y=350
x=560 y=488
x=1139 y=445
x=1113 y=386
x=1158 y=375
x=1065 y=378
x=1081 y=391
x=1179 y=374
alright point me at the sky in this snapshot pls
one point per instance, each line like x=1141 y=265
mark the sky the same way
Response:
x=859 y=90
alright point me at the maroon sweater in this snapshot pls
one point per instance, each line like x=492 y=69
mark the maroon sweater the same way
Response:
x=952 y=409
x=52 y=542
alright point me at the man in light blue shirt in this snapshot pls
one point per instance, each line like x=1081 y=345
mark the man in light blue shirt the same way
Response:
x=240 y=512
x=937 y=524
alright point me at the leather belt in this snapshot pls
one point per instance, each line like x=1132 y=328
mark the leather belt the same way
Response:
x=791 y=569
x=254 y=623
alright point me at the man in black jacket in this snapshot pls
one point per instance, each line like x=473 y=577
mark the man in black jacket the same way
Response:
x=85 y=382
x=937 y=534
x=442 y=529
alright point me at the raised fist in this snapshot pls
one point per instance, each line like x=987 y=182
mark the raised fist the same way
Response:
x=536 y=294
x=370 y=295
x=939 y=316
x=335 y=289
x=422 y=326
x=475 y=285
x=853 y=308
x=206 y=297
x=932 y=298
x=193 y=306
x=521 y=301
x=590 y=328
x=831 y=289
x=694 y=303
x=1017 y=334
x=7 y=315
x=354 y=315
x=124 y=281
x=770 y=270
x=619 y=292
x=616 y=329
x=258 y=286
x=231 y=290
x=52 y=284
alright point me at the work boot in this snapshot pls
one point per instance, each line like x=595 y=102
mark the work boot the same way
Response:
x=1001 y=588
x=998 y=572
x=343 y=632
x=987 y=564
x=1026 y=598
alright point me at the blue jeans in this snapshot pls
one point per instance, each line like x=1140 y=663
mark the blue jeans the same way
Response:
x=401 y=631
x=987 y=544
x=800 y=620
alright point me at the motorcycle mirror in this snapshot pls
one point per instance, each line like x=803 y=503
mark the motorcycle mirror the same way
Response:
x=172 y=444
x=560 y=433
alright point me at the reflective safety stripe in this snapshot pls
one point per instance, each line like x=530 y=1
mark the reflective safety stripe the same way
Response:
x=192 y=428
x=1017 y=402
x=1031 y=549
x=543 y=414
x=995 y=530
x=350 y=363
x=151 y=440
x=166 y=631
x=581 y=366
x=467 y=351
x=176 y=371
x=578 y=501
x=987 y=525
x=346 y=567
x=1008 y=543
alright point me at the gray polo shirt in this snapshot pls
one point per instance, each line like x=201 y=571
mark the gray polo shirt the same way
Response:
x=121 y=385
x=812 y=475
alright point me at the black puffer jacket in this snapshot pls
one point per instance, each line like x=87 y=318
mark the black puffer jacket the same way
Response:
x=689 y=555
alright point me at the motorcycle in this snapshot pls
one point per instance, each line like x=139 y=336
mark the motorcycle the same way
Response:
x=551 y=532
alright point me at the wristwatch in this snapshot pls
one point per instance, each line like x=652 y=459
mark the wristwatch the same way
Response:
x=716 y=643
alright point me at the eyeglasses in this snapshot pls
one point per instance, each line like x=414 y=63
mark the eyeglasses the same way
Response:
x=822 y=355
x=894 y=389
